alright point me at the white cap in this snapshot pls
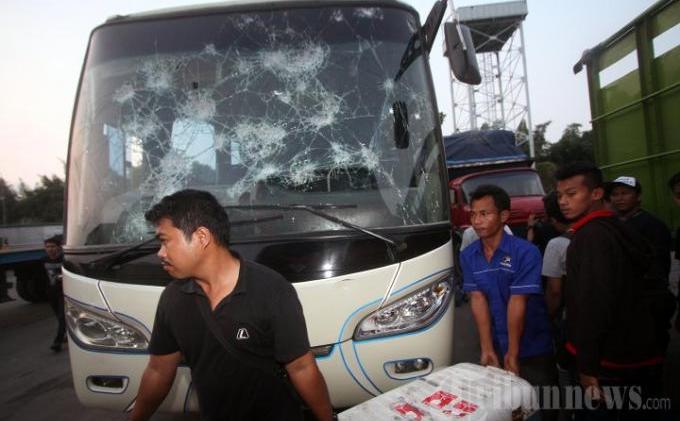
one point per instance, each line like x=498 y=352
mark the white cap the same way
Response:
x=628 y=181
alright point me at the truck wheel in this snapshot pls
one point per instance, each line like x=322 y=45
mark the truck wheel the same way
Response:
x=31 y=282
x=23 y=288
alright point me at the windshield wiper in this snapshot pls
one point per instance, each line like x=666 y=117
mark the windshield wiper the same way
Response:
x=393 y=246
x=119 y=257
x=138 y=249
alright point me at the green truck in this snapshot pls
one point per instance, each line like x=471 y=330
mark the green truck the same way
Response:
x=634 y=85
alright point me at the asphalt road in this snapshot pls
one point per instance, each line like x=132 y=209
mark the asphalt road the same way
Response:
x=36 y=383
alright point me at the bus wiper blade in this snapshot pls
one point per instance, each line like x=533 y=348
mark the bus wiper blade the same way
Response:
x=256 y=220
x=106 y=262
x=119 y=257
x=393 y=246
x=288 y=207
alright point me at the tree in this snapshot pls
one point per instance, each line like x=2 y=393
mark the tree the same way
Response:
x=43 y=204
x=8 y=203
x=541 y=144
x=574 y=145
x=546 y=172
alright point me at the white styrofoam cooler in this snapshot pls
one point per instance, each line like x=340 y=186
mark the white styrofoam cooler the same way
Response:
x=463 y=391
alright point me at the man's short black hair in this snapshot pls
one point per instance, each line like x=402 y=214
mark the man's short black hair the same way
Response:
x=500 y=197
x=591 y=174
x=674 y=180
x=57 y=240
x=190 y=209
x=552 y=208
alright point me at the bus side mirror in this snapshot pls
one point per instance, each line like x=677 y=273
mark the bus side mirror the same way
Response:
x=432 y=23
x=461 y=53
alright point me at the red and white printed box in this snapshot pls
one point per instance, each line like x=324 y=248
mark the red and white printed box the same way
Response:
x=466 y=392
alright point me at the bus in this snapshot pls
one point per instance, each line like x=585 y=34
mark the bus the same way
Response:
x=315 y=125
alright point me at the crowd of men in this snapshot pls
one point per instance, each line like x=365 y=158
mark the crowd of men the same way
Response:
x=594 y=309
x=588 y=305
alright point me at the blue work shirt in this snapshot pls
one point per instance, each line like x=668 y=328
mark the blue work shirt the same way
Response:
x=515 y=269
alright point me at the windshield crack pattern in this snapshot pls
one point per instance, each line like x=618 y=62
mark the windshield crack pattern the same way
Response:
x=279 y=107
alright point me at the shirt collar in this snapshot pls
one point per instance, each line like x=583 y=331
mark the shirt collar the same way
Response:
x=637 y=211
x=192 y=287
x=602 y=213
x=503 y=246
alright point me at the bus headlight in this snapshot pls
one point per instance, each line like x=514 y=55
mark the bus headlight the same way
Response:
x=96 y=329
x=407 y=314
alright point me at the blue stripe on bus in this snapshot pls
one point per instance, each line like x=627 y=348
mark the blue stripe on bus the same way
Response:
x=344 y=325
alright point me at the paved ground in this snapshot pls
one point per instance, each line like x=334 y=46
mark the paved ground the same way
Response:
x=36 y=383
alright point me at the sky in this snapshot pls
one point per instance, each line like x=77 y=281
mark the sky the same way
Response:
x=44 y=45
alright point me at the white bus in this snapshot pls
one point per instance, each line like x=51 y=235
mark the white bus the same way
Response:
x=315 y=125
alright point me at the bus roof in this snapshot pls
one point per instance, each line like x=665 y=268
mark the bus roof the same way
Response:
x=235 y=5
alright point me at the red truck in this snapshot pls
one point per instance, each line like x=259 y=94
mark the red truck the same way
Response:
x=481 y=157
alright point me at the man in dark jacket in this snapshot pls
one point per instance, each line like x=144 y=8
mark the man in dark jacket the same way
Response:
x=674 y=185
x=626 y=197
x=610 y=330
x=55 y=291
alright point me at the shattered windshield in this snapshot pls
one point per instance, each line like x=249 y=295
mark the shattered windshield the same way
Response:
x=297 y=106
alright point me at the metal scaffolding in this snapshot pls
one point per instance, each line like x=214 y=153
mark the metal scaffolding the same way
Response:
x=501 y=101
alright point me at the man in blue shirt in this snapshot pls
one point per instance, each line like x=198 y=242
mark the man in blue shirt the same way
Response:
x=502 y=274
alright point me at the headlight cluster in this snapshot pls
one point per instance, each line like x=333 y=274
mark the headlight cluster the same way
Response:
x=98 y=329
x=407 y=314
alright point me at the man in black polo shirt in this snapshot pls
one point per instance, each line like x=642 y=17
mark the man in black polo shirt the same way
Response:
x=233 y=321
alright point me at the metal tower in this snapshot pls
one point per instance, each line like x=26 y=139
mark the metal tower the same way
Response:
x=501 y=101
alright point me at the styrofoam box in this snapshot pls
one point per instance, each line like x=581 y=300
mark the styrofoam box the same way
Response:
x=463 y=391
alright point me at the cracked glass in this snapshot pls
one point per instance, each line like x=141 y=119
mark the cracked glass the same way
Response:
x=278 y=107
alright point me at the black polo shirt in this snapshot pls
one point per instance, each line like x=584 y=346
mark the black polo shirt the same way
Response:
x=262 y=316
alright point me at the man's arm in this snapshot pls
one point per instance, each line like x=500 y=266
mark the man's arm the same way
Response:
x=531 y=227
x=156 y=383
x=310 y=385
x=553 y=295
x=554 y=268
x=480 y=311
x=517 y=307
x=526 y=280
